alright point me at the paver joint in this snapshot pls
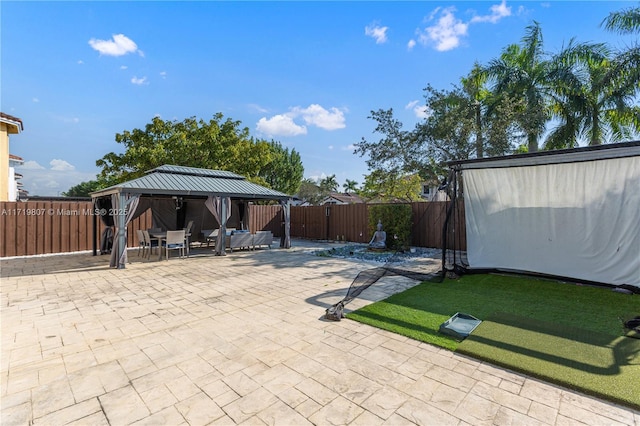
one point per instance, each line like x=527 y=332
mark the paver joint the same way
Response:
x=240 y=339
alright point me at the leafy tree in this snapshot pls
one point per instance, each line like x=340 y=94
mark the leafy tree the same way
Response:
x=626 y=21
x=310 y=192
x=462 y=126
x=522 y=71
x=350 y=186
x=594 y=98
x=463 y=122
x=398 y=152
x=380 y=185
x=284 y=173
x=215 y=144
x=83 y=189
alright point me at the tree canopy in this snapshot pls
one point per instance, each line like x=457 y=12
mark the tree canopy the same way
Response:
x=588 y=92
x=219 y=144
x=83 y=189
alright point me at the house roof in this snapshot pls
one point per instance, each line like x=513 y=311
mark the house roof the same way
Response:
x=345 y=197
x=14 y=123
x=191 y=181
x=573 y=155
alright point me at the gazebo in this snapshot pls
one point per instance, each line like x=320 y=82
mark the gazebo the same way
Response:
x=176 y=194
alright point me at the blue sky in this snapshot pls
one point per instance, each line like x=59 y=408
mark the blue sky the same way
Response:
x=306 y=74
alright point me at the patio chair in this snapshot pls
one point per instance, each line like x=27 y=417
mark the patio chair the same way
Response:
x=175 y=241
x=142 y=243
x=150 y=242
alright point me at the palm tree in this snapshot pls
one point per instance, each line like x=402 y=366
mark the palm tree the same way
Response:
x=329 y=184
x=594 y=94
x=523 y=72
x=350 y=185
x=625 y=21
x=474 y=87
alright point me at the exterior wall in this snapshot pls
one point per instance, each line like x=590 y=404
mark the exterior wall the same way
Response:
x=12 y=185
x=4 y=162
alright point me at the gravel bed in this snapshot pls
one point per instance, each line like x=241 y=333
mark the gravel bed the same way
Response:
x=362 y=252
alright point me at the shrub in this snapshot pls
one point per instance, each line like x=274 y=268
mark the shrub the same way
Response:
x=396 y=222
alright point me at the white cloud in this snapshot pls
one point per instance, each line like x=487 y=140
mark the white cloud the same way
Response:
x=80 y=62
x=330 y=147
x=313 y=115
x=257 y=108
x=498 y=11
x=280 y=125
x=316 y=115
x=163 y=74
x=351 y=148
x=411 y=44
x=119 y=45
x=66 y=119
x=42 y=181
x=420 y=111
x=31 y=165
x=446 y=33
x=123 y=67
x=61 y=165
x=36 y=100
x=376 y=32
x=139 y=81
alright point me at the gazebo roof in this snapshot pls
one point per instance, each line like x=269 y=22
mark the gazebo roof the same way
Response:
x=191 y=181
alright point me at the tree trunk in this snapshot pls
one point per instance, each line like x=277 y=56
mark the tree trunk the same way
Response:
x=595 y=131
x=533 y=142
x=479 y=138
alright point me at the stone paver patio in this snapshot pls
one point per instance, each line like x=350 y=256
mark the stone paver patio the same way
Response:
x=240 y=340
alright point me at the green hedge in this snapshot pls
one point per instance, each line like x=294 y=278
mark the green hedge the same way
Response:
x=396 y=222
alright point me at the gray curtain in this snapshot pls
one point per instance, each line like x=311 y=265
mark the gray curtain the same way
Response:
x=164 y=214
x=247 y=216
x=285 y=240
x=130 y=207
x=220 y=208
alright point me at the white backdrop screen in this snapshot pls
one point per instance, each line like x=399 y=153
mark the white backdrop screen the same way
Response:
x=579 y=220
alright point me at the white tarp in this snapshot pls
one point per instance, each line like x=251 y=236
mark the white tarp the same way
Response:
x=579 y=220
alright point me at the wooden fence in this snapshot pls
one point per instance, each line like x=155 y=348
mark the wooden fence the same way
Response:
x=43 y=227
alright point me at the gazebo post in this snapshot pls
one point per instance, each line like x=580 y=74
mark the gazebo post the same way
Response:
x=94 y=220
x=122 y=235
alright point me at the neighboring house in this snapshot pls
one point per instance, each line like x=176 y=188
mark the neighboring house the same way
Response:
x=342 y=198
x=16 y=192
x=430 y=192
x=9 y=125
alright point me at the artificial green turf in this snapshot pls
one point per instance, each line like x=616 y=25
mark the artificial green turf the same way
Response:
x=593 y=314
x=599 y=364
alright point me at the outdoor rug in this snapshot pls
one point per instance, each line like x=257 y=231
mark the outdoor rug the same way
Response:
x=598 y=364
